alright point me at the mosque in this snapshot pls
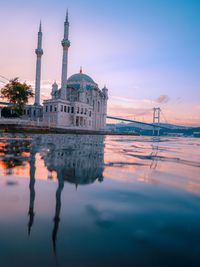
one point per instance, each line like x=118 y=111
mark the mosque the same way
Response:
x=79 y=103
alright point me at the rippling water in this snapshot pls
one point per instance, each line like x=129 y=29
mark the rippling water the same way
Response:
x=69 y=200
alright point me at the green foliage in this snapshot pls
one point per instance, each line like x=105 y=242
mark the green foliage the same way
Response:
x=17 y=94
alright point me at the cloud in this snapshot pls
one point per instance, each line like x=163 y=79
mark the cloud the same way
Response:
x=163 y=99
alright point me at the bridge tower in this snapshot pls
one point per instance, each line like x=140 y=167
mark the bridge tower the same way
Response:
x=156 y=120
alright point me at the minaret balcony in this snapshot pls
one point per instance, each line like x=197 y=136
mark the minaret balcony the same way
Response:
x=65 y=43
x=39 y=52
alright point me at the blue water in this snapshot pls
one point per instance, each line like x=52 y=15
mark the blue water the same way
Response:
x=69 y=200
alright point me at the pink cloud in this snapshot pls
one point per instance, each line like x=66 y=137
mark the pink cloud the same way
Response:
x=163 y=99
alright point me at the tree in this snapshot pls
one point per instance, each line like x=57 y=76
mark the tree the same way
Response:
x=17 y=94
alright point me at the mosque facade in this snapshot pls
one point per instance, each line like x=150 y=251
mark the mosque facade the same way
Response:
x=78 y=103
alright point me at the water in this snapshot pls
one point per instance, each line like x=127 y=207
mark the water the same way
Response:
x=92 y=201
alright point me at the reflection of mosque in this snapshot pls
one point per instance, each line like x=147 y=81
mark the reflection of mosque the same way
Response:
x=77 y=159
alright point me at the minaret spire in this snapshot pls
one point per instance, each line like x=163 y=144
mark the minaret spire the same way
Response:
x=40 y=27
x=66 y=18
x=39 y=53
x=65 y=45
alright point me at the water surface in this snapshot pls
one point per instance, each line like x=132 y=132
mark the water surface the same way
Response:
x=74 y=200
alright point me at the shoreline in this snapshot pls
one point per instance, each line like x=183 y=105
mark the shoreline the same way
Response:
x=13 y=128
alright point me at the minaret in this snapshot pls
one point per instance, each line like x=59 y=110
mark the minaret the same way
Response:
x=65 y=45
x=39 y=53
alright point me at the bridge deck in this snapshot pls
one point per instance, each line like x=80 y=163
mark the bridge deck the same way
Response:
x=139 y=122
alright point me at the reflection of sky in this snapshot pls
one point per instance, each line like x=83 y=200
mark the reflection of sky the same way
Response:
x=141 y=50
x=120 y=223
x=146 y=204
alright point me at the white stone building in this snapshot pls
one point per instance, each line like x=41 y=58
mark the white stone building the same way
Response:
x=79 y=103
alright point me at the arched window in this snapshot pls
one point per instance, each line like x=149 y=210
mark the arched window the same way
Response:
x=98 y=106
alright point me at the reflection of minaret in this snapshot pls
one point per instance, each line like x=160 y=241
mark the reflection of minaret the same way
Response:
x=32 y=192
x=39 y=53
x=65 y=45
x=57 y=212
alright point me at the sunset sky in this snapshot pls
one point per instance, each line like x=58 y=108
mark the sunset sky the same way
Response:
x=147 y=52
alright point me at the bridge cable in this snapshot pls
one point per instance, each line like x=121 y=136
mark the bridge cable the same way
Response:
x=166 y=121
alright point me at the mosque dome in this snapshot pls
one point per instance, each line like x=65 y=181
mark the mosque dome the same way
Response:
x=79 y=77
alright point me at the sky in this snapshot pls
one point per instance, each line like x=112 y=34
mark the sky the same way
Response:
x=147 y=52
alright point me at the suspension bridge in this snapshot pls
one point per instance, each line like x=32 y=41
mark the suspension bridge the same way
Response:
x=154 y=125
